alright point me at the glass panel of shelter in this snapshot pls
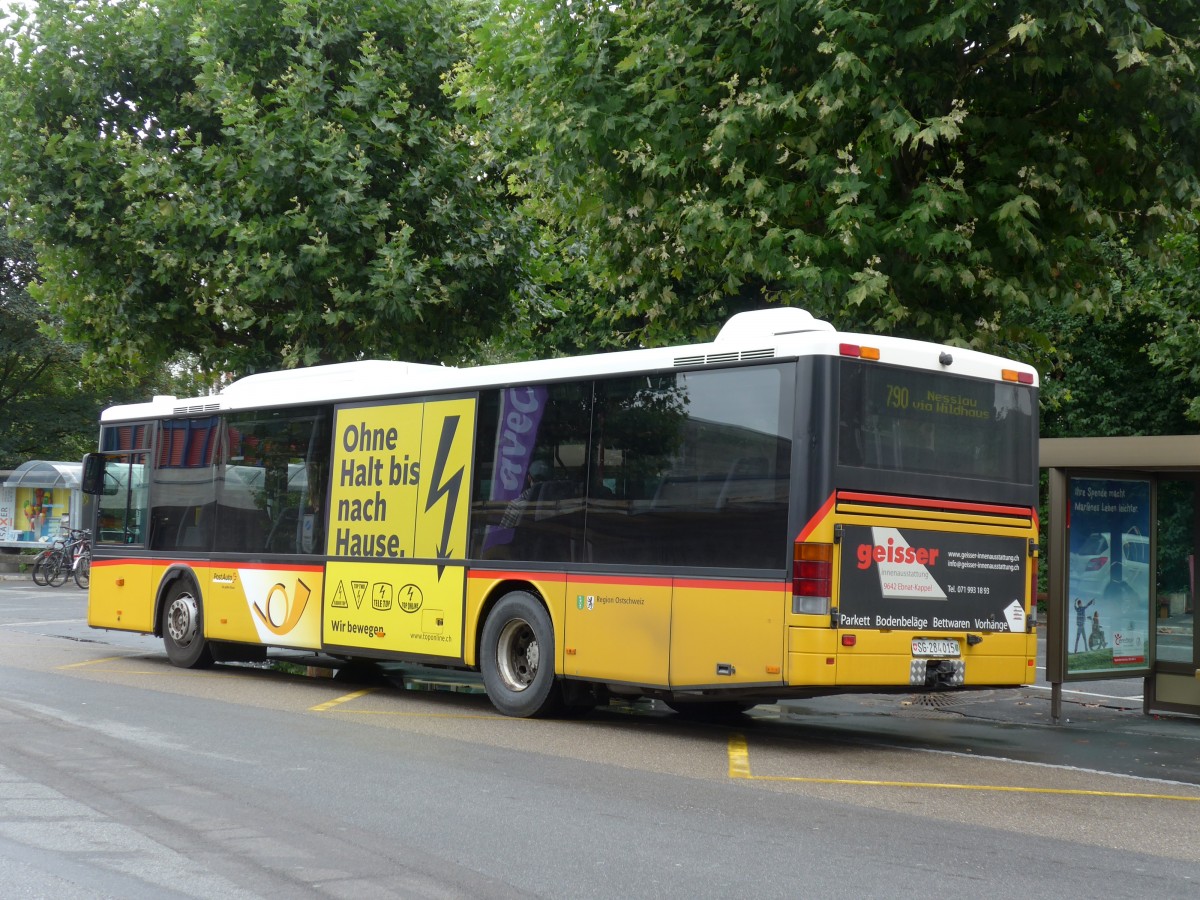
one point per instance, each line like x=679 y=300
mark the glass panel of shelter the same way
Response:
x=1178 y=534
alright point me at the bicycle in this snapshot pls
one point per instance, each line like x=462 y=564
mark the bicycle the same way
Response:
x=48 y=563
x=69 y=555
x=81 y=556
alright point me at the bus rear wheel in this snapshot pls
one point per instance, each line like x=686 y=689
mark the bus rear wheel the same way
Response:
x=183 y=628
x=517 y=658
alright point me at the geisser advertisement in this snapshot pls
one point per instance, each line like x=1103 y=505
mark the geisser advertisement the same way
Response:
x=931 y=580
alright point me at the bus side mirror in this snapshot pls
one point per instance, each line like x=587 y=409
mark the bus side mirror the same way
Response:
x=93 y=474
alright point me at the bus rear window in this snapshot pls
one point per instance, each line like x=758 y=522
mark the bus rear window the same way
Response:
x=931 y=423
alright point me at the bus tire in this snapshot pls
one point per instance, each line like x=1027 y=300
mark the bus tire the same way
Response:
x=183 y=627
x=517 y=658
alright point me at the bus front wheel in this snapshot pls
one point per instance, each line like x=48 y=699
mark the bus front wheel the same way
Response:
x=183 y=628
x=517 y=658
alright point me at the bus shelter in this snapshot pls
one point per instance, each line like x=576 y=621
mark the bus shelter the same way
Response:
x=1124 y=528
x=38 y=500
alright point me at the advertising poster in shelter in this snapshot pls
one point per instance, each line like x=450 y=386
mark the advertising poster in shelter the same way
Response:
x=1109 y=578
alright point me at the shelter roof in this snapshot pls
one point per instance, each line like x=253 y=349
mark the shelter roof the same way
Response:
x=46 y=474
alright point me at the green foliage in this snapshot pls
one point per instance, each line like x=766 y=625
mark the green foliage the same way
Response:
x=289 y=182
x=1131 y=370
x=1171 y=290
x=50 y=400
x=43 y=416
x=1104 y=382
x=264 y=184
x=915 y=168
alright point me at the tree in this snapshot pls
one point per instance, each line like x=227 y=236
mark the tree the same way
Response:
x=1170 y=289
x=41 y=419
x=913 y=168
x=51 y=401
x=1131 y=370
x=262 y=184
x=1104 y=381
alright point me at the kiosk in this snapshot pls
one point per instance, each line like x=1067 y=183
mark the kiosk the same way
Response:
x=38 y=501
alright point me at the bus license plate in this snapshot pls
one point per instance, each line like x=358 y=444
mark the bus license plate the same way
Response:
x=927 y=647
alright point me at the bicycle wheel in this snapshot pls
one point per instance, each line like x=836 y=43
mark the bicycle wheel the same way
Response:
x=60 y=569
x=41 y=568
x=83 y=570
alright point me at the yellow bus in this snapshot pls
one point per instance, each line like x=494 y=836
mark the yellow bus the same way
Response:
x=787 y=511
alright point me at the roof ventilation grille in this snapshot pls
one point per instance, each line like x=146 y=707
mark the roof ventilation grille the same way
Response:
x=710 y=359
x=200 y=408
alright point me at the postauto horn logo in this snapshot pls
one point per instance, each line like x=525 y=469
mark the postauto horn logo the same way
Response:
x=279 y=612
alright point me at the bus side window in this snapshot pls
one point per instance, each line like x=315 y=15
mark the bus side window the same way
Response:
x=184 y=490
x=531 y=447
x=273 y=481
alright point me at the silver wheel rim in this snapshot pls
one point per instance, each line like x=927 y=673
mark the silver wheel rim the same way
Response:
x=183 y=618
x=517 y=655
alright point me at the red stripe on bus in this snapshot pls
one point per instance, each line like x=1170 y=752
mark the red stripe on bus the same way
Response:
x=202 y=563
x=769 y=586
x=922 y=503
x=816 y=520
x=124 y=561
x=652 y=580
x=639 y=580
x=513 y=573
x=632 y=580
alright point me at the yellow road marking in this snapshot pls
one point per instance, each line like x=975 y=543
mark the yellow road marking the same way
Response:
x=423 y=715
x=346 y=698
x=739 y=757
x=739 y=767
x=336 y=701
x=92 y=662
x=181 y=673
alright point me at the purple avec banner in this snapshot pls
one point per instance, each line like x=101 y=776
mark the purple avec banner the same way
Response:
x=521 y=410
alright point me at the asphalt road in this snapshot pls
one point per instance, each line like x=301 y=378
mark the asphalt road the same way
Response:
x=121 y=776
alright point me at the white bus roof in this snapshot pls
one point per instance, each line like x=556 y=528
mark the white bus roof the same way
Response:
x=778 y=333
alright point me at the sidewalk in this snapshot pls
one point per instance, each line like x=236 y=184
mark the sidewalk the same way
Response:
x=1103 y=734
x=1182 y=624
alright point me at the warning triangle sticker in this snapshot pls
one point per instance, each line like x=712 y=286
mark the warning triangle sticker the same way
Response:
x=339 y=597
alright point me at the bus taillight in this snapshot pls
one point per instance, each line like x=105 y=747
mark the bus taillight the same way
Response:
x=1014 y=375
x=812 y=578
x=859 y=351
